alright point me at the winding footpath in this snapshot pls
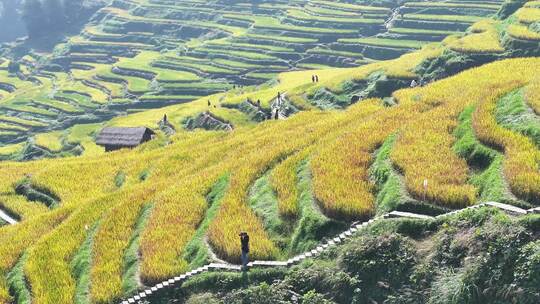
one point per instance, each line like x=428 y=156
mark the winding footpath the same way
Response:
x=177 y=281
x=7 y=218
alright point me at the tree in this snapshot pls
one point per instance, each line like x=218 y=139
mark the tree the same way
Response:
x=14 y=67
x=56 y=19
x=72 y=10
x=34 y=17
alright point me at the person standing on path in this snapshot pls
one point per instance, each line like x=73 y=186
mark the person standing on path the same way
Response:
x=244 y=241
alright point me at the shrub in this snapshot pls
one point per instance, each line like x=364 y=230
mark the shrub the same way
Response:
x=311 y=297
x=259 y=294
x=527 y=273
x=372 y=259
x=325 y=279
x=205 y=298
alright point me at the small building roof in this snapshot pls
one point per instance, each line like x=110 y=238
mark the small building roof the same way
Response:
x=122 y=136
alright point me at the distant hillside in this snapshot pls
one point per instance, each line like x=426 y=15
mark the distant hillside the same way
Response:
x=137 y=54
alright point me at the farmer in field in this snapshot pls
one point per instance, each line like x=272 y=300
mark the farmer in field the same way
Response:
x=244 y=241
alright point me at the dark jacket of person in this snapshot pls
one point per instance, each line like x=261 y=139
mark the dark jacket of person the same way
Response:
x=244 y=239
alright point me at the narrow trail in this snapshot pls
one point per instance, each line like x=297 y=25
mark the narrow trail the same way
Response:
x=7 y=218
x=396 y=13
x=224 y=266
x=278 y=105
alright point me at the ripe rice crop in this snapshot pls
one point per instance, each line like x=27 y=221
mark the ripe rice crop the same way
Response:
x=532 y=95
x=17 y=239
x=522 y=158
x=282 y=177
x=423 y=152
x=483 y=39
x=109 y=243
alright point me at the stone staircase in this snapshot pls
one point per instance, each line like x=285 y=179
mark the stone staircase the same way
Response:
x=177 y=281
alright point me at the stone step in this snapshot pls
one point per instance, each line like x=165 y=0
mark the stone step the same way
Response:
x=507 y=208
x=534 y=210
x=269 y=263
x=401 y=214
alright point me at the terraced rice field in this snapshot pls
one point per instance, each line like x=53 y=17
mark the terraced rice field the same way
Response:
x=156 y=211
x=141 y=54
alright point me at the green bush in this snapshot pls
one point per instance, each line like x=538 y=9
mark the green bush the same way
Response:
x=311 y=297
x=259 y=294
x=205 y=298
x=323 y=278
x=380 y=263
x=527 y=274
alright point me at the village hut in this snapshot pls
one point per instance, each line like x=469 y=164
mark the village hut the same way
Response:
x=115 y=138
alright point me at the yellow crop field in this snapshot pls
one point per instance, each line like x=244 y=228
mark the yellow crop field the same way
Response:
x=532 y=95
x=175 y=175
x=484 y=38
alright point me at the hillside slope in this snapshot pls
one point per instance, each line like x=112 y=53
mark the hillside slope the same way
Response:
x=325 y=168
x=141 y=54
x=417 y=261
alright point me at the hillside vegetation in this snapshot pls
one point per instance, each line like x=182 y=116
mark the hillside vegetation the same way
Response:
x=431 y=261
x=327 y=156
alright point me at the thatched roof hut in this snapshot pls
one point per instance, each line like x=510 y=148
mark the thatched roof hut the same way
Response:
x=115 y=138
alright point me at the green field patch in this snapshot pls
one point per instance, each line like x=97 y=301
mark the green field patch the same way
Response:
x=395 y=43
x=130 y=280
x=51 y=141
x=80 y=267
x=513 y=113
x=58 y=105
x=196 y=251
x=448 y=18
x=17 y=282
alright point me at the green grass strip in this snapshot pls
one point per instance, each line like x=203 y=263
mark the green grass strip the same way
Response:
x=196 y=251
x=312 y=225
x=391 y=190
x=513 y=113
x=80 y=268
x=130 y=282
x=17 y=282
x=486 y=163
x=264 y=202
